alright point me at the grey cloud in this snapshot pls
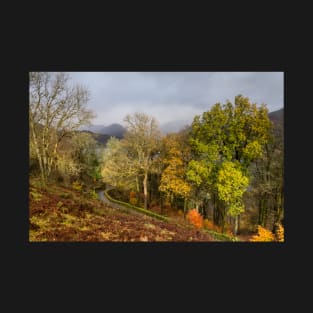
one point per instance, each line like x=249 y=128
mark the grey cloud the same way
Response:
x=175 y=95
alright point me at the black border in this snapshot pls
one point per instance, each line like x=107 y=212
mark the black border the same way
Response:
x=222 y=262
x=57 y=38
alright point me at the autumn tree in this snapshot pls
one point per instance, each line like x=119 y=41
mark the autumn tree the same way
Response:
x=118 y=169
x=173 y=179
x=141 y=141
x=55 y=109
x=86 y=152
x=226 y=133
x=231 y=185
x=268 y=178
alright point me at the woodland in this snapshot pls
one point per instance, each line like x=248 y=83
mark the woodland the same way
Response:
x=221 y=178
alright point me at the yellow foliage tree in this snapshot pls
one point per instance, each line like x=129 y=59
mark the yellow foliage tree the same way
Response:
x=173 y=180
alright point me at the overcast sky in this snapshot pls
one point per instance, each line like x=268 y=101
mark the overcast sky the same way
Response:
x=172 y=96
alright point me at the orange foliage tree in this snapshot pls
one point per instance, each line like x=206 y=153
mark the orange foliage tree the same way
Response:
x=195 y=218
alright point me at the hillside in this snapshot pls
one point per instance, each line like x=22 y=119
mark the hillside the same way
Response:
x=100 y=138
x=63 y=214
x=114 y=129
x=277 y=116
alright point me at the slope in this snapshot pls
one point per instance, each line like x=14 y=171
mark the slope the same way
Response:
x=63 y=214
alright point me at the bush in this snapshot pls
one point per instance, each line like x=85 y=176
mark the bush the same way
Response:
x=180 y=213
x=195 y=218
x=263 y=234
x=77 y=185
x=208 y=224
x=132 y=194
x=93 y=194
x=133 y=201
x=36 y=196
x=65 y=195
x=279 y=232
x=133 y=198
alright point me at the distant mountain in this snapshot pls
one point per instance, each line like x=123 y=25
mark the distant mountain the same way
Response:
x=100 y=138
x=114 y=129
x=277 y=116
x=173 y=126
x=94 y=128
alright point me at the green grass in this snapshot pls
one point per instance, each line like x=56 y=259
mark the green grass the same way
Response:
x=141 y=210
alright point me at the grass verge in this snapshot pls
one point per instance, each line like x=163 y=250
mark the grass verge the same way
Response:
x=138 y=209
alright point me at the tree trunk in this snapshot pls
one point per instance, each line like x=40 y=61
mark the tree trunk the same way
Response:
x=137 y=190
x=261 y=220
x=185 y=206
x=145 y=190
x=236 y=223
x=222 y=219
x=39 y=156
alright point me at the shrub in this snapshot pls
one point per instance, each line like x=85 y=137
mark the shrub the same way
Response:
x=65 y=195
x=279 y=232
x=263 y=234
x=93 y=194
x=36 y=196
x=132 y=194
x=208 y=224
x=195 y=218
x=133 y=201
x=77 y=185
x=133 y=198
x=180 y=213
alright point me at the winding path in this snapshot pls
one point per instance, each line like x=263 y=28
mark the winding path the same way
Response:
x=118 y=206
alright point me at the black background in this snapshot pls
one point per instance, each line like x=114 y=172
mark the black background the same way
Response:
x=161 y=276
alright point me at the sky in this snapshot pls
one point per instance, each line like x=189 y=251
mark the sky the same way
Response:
x=170 y=96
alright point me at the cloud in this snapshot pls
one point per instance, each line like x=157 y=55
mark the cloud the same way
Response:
x=174 y=95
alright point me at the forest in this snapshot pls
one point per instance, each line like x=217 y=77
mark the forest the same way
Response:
x=219 y=179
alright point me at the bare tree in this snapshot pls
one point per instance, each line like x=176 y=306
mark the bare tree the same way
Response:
x=142 y=139
x=55 y=109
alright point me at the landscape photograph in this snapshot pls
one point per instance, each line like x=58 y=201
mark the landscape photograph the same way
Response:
x=156 y=157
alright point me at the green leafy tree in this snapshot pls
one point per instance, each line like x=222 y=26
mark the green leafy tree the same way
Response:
x=226 y=133
x=231 y=185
